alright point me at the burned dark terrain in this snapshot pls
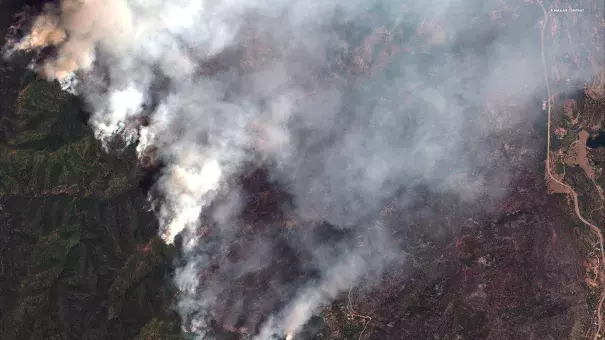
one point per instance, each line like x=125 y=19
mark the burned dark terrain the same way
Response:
x=80 y=257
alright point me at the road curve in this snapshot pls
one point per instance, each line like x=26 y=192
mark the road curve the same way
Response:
x=596 y=230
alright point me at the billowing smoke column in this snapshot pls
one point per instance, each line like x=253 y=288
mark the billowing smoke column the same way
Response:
x=297 y=88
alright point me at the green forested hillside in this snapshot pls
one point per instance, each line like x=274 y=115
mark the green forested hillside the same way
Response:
x=79 y=254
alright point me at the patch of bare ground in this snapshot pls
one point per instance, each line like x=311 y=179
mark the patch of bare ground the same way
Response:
x=577 y=155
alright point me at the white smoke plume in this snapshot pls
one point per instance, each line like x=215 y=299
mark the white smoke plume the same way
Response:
x=277 y=83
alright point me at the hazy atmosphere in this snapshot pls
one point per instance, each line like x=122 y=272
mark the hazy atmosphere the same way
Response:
x=213 y=93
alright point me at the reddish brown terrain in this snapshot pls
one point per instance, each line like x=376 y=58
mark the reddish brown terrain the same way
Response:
x=80 y=258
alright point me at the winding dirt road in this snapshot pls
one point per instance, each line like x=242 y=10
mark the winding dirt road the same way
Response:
x=596 y=230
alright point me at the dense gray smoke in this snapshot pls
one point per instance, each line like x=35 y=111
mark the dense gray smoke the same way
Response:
x=298 y=88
